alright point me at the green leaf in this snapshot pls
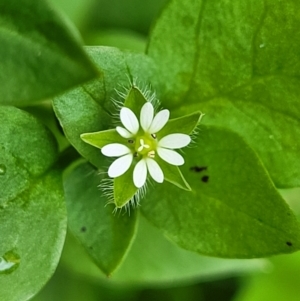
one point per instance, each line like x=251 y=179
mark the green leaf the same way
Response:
x=154 y=260
x=40 y=54
x=160 y=261
x=45 y=114
x=32 y=210
x=233 y=209
x=105 y=235
x=239 y=63
x=120 y=69
x=27 y=150
x=89 y=108
x=78 y=113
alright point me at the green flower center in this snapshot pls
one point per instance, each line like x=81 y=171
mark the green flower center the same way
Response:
x=145 y=144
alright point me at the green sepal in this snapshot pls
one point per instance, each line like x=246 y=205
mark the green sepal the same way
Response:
x=102 y=138
x=173 y=175
x=135 y=100
x=124 y=189
x=184 y=125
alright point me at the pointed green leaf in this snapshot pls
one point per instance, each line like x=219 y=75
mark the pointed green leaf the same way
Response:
x=40 y=54
x=154 y=260
x=160 y=261
x=233 y=210
x=32 y=210
x=239 y=63
x=105 y=235
x=89 y=108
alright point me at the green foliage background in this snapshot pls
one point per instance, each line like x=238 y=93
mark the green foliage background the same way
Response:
x=238 y=62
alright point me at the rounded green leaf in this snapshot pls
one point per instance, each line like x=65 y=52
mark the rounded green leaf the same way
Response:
x=106 y=235
x=40 y=54
x=90 y=108
x=32 y=210
x=233 y=209
x=238 y=62
x=27 y=151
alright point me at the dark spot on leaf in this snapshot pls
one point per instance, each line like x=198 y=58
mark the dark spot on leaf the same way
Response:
x=83 y=229
x=198 y=168
x=289 y=243
x=130 y=141
x=205 y=179
x=153 y=136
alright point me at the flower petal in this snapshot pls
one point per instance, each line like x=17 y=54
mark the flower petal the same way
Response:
x=155 y=171
x=170 y=156
x=159 y=121
x=129 y=120
x=120 y=166
x=140 y=173
x=115 y=150
x=123 y=132
x=146 y=116
x=175 y=141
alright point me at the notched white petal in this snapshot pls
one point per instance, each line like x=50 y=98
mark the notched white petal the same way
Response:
x=170 y=156
x=174 y=141
x=140 y=174
x=159 y=121
x=115 y=150
x=120 y=166
x=129 y=120
x=146 y=115
x=154 y=170
x=123 y=132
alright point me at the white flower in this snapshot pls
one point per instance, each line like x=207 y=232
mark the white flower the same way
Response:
x=143 y=144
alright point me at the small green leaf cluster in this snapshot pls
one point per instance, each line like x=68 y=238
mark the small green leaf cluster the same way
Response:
x=236 y=61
